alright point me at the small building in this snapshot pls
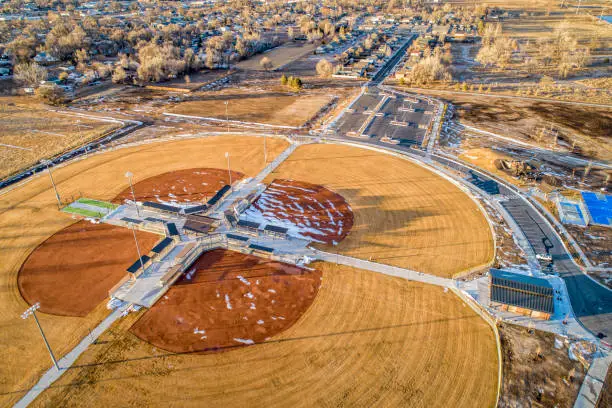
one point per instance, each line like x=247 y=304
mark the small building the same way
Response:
x=522 y=294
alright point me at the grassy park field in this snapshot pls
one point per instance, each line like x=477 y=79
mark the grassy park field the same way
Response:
x=279 y=56
x=32 y=131
x=404 y=215
x=367 y=339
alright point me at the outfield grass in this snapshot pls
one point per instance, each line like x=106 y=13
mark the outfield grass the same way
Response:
x=97 y=203
x=83 y=212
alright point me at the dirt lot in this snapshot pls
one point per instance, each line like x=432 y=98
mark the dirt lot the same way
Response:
x=367 y=340
x=523 y=119
x=279 y=56
x=28 y=216
x=31 y=132
x=535 y=373
x=485 y=159
x=71 y=272
x=228 y=300
x=404 y=215
x=269 y=107
x=308 y=210
x=181 y=186
x=595 y=242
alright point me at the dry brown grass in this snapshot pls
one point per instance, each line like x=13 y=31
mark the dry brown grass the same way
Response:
x=485 y=159
x=272 y=108
x=28 y=215
x=279 y=56
x=405 y=215
x=367 y=340
x=37 y=133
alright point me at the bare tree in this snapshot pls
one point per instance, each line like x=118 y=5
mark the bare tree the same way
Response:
x=324 y=68
x=30 y=74
x=266 y=63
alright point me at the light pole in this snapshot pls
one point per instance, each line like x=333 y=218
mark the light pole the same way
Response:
x=31 y=311
x=78 y=122
x=57 y=196
x=137 y=249
x=229 y=172
x=129 y=177
x=227 y=115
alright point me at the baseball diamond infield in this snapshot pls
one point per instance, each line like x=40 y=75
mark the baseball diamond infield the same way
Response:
x=71 y=272
x=180 y=186
x=308 y=210
x=367 y=340
x=227 y=300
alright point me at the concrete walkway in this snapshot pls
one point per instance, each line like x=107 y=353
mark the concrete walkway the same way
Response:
x=593 y=381
x=68 y=360
x=384 y=269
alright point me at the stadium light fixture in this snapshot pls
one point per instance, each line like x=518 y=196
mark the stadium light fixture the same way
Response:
x=129 y=176
x=229 y=172
x=57 y=196
x=31 y=311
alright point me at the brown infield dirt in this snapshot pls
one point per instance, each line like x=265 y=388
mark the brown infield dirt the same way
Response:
x=180 y=186
x=316 y=212
x=71 y=272
x=226 y=300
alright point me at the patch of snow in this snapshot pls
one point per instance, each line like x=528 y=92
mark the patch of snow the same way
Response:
x=249 y=295
x=243 y=280
x=271 y=291
x=197 y=331
x=244 y=341
x=253 y=306
x=227 y=302
x=260 y=322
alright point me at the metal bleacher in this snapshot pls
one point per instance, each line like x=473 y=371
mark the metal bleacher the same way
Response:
x=215 y=199
x=162 y=207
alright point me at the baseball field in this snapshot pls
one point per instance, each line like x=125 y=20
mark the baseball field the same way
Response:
x=366 y=340
x=371 y=337
x=29 y=216
x=404 y=215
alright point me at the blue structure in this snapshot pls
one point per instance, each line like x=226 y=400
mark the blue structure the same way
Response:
x=599 y=207
x=570 y=213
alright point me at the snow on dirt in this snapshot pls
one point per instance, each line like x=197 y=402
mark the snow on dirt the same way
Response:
x=308 y=211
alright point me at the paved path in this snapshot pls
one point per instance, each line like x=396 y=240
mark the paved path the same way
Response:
x=68 y=360
x=385 y=269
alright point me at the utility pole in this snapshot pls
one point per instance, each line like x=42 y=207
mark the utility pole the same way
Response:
x=137 y=250
x=31 y=311
x=129 y=177
x=57 y=196
x=229 y=172
x=227 y=115
x=78 y=122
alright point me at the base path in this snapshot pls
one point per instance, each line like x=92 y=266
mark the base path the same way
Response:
x=68 y=360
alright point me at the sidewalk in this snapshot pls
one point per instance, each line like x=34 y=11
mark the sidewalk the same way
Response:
x=68 y=360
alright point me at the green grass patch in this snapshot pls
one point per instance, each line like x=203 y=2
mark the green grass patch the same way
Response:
x=97 y=203
x=83 y=212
